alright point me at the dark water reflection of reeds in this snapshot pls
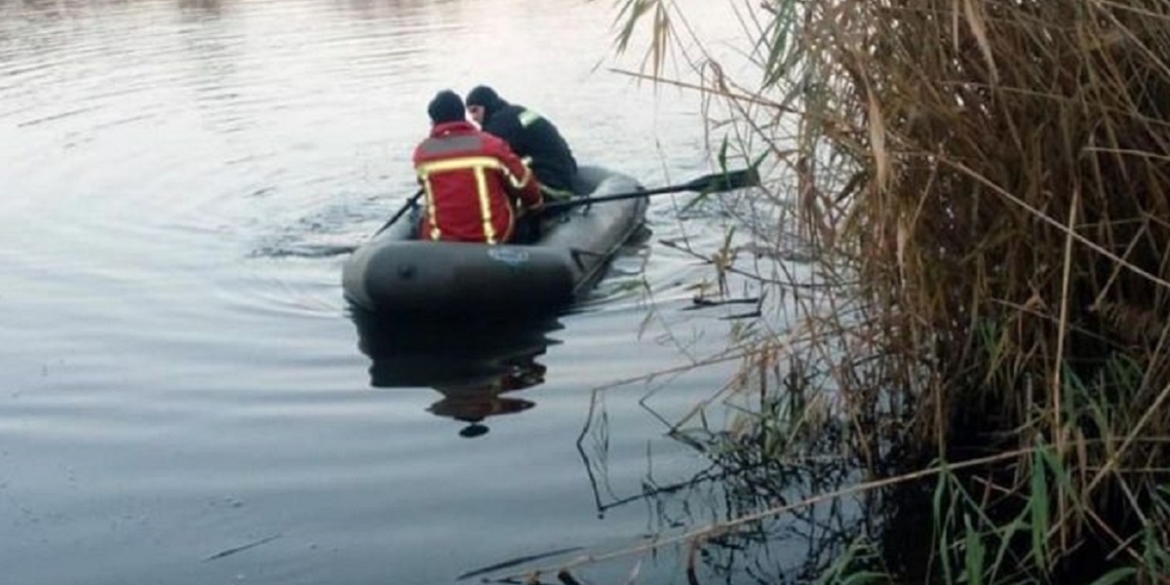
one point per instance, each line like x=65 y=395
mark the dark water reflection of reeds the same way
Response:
x=749 y=516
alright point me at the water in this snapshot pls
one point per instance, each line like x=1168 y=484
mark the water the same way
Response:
x=185 y=397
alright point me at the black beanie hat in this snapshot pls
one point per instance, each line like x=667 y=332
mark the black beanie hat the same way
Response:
x=484 y=96
x=446 y=107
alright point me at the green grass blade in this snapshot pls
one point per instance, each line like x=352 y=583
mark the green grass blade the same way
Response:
x=1039 y=509
x=1122 y=575
x=975 y=553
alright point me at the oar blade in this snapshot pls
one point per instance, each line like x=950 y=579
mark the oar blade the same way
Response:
x=727 y=181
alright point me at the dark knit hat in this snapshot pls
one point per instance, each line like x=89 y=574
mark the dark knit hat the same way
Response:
x=446 y=107
x=484 y=96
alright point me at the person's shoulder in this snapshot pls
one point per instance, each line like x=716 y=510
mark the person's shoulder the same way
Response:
x=420 y=148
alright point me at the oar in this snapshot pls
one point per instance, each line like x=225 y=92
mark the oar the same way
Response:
x=713 y=183
x=402 y=211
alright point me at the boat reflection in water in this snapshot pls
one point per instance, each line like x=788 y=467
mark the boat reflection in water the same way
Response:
x=474 y=365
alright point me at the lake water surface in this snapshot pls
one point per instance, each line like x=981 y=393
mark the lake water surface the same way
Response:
x=185 y=398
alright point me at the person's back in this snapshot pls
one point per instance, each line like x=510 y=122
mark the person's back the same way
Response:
x=530 y=136
x=468 y=177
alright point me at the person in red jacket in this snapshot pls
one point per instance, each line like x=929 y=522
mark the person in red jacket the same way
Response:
x=471 y=179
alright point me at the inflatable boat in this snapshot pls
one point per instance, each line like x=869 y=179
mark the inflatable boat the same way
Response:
x=394 y=274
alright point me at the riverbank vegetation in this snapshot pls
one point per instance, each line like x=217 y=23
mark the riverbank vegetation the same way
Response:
x=978 y=193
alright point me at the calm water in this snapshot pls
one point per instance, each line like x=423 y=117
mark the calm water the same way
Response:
x=181 y=377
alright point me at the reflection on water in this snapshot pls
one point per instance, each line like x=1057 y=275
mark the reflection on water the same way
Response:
x=207 y=8
x=474 y=365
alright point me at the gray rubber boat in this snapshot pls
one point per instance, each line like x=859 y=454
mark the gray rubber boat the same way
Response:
x=394 y=274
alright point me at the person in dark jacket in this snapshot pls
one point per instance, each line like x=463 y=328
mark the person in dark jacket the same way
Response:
x=530 y=135
x=472 y=180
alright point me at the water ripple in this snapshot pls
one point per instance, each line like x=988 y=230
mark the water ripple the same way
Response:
x=181 y=182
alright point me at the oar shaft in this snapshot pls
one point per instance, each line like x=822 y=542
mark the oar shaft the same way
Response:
x=401 y=211
x=716 y=183
x=615 y=197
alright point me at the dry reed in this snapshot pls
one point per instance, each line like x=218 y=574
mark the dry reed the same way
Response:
x=1011 y=232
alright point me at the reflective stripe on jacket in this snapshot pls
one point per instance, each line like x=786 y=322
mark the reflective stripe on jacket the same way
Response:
x=470 y=178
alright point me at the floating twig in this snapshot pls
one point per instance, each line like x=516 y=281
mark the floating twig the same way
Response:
x=516 y=561
x=232 y=551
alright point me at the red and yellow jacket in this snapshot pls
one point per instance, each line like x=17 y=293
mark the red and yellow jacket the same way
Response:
x=470 y=178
